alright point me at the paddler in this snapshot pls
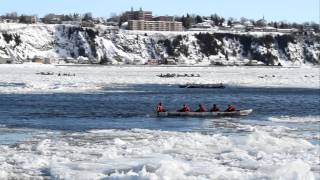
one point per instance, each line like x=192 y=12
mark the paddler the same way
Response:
x=230 y=108
x=201 y=108
x=160 y=108
x=185 y=108
x=215 y=108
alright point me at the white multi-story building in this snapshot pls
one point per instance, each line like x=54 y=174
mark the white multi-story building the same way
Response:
x=143 y=20
x=154 y=25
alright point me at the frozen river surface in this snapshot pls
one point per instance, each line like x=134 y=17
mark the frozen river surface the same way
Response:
x=100 y=124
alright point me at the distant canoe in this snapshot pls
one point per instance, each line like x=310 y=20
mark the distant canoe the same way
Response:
x=206 y=114
x=220 y=85
x=168 y=75
x=45 y=73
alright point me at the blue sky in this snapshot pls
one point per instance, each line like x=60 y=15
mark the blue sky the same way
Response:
x=290 y=10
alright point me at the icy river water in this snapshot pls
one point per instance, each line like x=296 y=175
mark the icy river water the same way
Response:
x=116 y=135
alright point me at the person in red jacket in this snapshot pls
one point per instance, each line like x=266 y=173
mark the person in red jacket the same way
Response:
x=230 y=108
x=201 y=108
x=185 y=108
x=188 y=108
x=215 y=108
x=160 y=108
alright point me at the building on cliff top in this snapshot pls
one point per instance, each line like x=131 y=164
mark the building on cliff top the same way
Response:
x=144 y=21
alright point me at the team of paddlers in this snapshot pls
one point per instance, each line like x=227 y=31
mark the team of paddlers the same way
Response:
x=186 y=108
x=168 y=75
x=59 y=74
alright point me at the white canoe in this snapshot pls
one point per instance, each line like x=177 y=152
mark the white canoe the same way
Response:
x=206 y=114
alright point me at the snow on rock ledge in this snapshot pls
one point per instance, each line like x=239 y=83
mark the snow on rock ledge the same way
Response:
x=100 y=45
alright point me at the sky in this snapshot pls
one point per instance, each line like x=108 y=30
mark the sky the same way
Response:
x=272 y=10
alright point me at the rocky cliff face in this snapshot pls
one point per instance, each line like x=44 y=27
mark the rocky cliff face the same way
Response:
x=99 y=45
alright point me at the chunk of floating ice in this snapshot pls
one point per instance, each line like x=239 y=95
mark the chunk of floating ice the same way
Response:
x=295 y=170
x=119 y=142
x=263 y=141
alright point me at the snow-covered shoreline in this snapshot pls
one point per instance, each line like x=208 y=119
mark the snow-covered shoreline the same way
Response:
x=23 y=78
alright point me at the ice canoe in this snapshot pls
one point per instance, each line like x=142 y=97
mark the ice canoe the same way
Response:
x=220 y=85
x=206 y=114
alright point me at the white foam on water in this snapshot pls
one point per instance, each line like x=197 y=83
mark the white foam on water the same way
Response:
x=153 y=154
x=296 y=127
x=290 y=119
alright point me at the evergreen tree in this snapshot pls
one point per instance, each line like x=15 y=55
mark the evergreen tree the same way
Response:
x=229 y=23
x=183 y=20
x=316 y=27
x=23 y=19
x=123 y=18
x=199 y=19
x=284 y=25
x=75 y=16
x=67 y=18
x=253 y=22
x=215 y=18
x=221 y=21
x=187 y=21
x=87 y=17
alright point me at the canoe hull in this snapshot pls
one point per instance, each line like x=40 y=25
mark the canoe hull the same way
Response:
x=206 y=86
x=205 y=114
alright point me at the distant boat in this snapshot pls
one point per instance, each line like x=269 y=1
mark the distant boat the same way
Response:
x=168 y=75
x=220 y=85
x=46 y=73
x=244 y=112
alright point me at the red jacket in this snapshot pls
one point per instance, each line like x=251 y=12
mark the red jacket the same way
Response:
x=201 y=109
x=231 y=109
x=215 y=109
x=160 y=108
x=185 y=109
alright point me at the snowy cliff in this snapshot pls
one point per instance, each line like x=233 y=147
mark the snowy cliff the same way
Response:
x=22 y=43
